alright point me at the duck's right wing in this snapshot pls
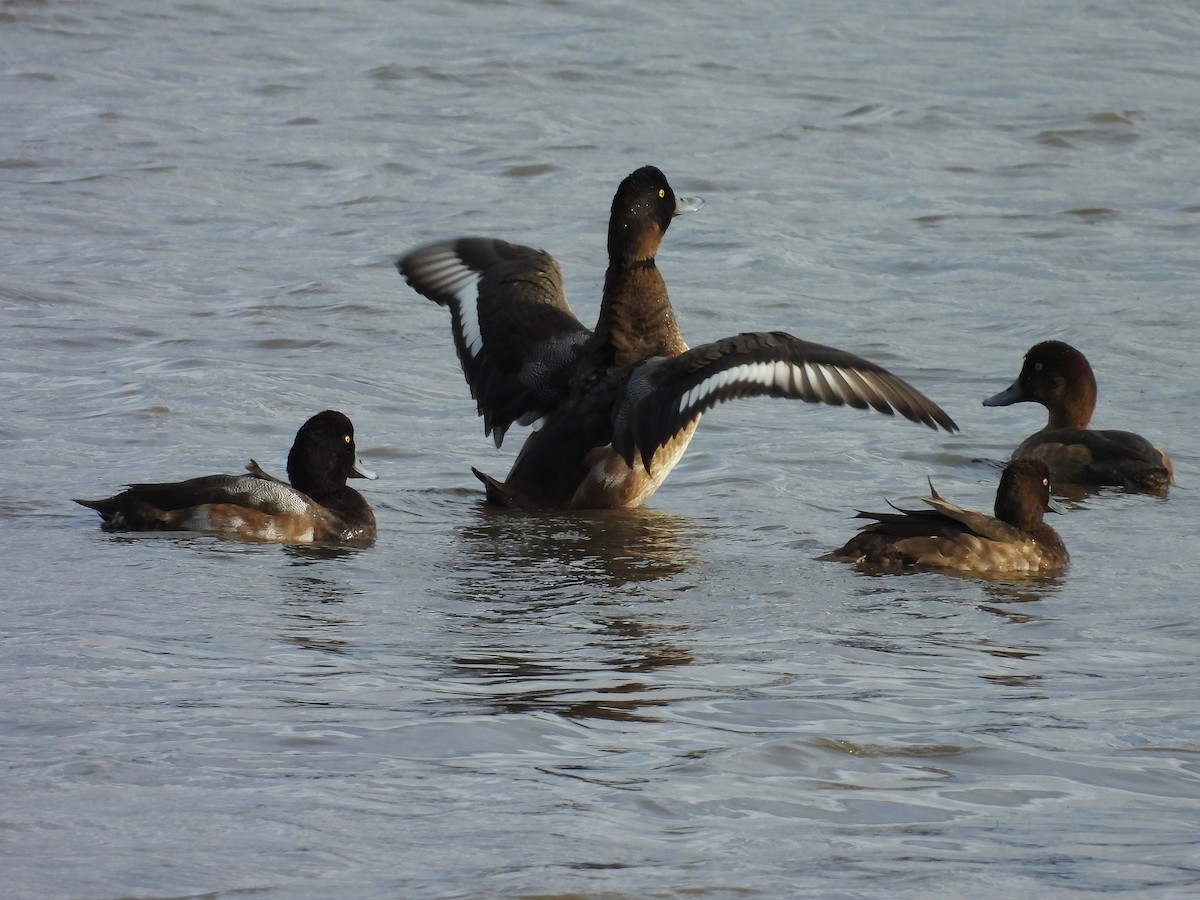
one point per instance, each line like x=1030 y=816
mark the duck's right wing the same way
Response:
x=517 y=339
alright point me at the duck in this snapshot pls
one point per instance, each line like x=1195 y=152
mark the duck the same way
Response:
x=615 y=406
x=317 y=507
x=1060 y=378
x=1015 y=541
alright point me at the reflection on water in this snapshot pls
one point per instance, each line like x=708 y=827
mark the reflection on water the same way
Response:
x=1014 y=593
x=614 y=549
x=309 y=554
x=310 y=612
x=494 y=704
x=311 y=602
x=875 y=570
x=920 y=597
x=553 y=614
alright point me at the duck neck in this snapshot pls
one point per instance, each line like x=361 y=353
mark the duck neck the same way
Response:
x=1064 y=419
x=1072 y=410
x=314 y=482
x=348 y=502
x=636 y=319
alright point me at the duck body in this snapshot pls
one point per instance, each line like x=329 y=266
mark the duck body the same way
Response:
x=1060 y=378
x=1015 y=541
x=316 y=508
x=615 y=406
x=1100 y=457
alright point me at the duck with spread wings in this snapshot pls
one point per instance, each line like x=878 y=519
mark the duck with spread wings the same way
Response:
x=617 y=405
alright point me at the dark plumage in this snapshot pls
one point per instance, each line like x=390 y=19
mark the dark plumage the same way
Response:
x=1060 y=378
x=1014 y=542
x=317 y=507
x=617 y=405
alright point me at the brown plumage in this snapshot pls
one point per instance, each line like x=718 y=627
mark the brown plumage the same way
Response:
x=616 y=405
x=1060 y=378
x=1016 y=541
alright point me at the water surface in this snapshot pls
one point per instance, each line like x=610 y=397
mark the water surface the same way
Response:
x=202 y=205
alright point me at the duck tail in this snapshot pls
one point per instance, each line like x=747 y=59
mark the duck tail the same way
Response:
x=497 y=491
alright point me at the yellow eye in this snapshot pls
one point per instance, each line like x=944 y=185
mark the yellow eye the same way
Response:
x=345 y=438
x=1045 y=482
x=1037 y=367
x=661 y=193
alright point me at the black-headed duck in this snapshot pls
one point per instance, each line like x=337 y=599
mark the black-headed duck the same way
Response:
x=318 y=507
x=1059 y=377
x=1015 y=542
x=616 y=405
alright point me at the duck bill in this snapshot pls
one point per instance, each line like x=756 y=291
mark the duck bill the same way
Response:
x=361 y=471
x=687 y=204
x=1010 y=395
x=1054 y=506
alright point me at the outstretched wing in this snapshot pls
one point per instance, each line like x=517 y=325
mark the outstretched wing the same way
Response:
x=515 y=334
x=664 y=394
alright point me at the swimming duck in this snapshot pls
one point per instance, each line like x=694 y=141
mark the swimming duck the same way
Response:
x=1014 y=542
x=616 y=405
x=1059 y=377
x=316 y=508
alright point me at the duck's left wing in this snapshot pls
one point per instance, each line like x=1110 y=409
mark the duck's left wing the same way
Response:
x=263 y=494
x=664 y=394
x=979 y=523
x=258 y=471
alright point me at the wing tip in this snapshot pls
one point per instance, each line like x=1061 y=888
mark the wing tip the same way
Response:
x=946 y=422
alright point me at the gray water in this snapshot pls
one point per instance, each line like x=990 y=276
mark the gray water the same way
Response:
x=201 y=204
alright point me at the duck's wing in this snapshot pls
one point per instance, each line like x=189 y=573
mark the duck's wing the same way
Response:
x=1096 y=447
x=980 y=524
x=904 y=523
x=517 y=339
x=258 y=471
x=264 y=495
x=267 y=495
x=1083 y=456
x=664 y=394
x=1110 y=446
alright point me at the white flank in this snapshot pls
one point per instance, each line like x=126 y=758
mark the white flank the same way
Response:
x=197 y=521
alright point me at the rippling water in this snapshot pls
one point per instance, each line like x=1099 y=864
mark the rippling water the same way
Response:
x=201 y=205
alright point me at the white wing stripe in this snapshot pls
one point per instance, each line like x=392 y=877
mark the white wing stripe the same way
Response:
x=815 y=382
x=807 y=384
x=838 y=384
x=785 y=375
x=442 y=271
x=466 y=311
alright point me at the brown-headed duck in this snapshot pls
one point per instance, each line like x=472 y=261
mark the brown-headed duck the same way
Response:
x=1059 y=377
x=1014 y=542
x=618 y=404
